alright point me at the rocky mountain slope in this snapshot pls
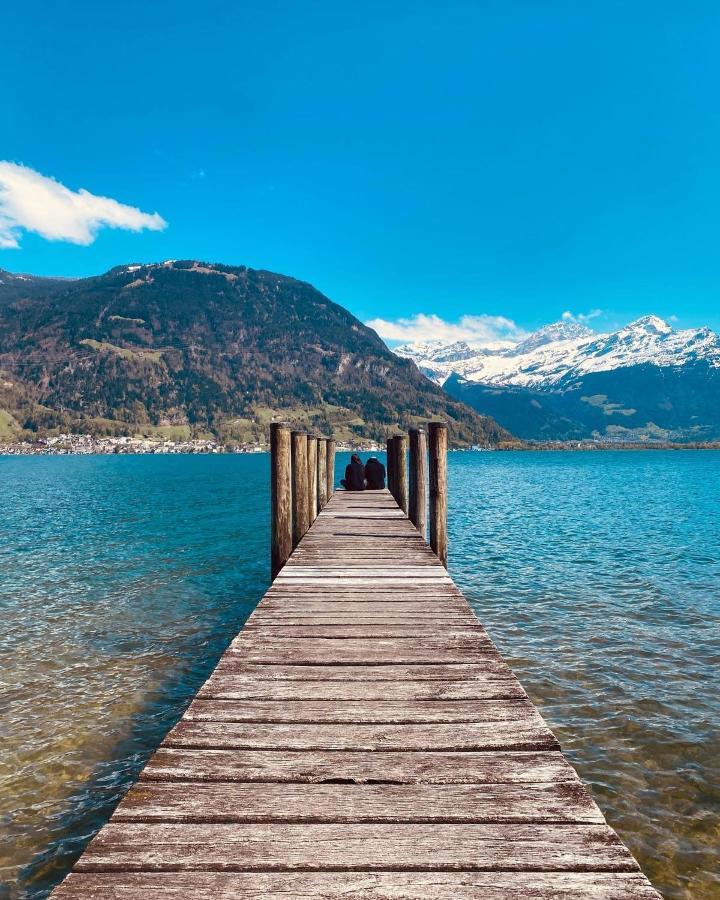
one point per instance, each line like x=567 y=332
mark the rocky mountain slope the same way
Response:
x=645 y=382
x=187 y=348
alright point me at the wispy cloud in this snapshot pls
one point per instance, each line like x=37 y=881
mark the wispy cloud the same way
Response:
x=584 y=318
x=33 y=202
x=477 y=330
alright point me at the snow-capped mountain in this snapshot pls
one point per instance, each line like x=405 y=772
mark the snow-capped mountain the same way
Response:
x=645 y=380
x=560 y=353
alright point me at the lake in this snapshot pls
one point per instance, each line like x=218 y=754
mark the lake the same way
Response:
x=123 y=578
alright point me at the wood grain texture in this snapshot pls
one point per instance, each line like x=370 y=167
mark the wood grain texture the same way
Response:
x=312 y=478
x=400 y=767
x=401 y=478
x=359 y=651
x=322 y=495
x=369 y=631
x=131 y=846
x=421 y=803
x=529 y=734
x=241 y=687
x=361 y=737
x=301 y=521
x=280 y=497
x=278 y=671
x=357 y=885
x=395 y=712
x=417 y=480
x=437 y=455
x=330 y=467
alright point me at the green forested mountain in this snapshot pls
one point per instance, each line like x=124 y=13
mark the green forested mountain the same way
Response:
x=186 y=348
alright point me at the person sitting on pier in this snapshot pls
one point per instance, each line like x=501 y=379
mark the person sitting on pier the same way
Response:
x=354 y=479
x=374 y=474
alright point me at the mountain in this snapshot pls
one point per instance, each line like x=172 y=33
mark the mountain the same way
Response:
x=645 y=382
x=187 y=348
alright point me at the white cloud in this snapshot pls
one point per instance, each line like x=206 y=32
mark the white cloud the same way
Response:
x=581 y=317
x=33 y=202
x=477 y=330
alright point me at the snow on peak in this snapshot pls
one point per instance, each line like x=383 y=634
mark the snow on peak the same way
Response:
x=557 y=331
x=563 y=352
x=438 y=351
x=652 y=325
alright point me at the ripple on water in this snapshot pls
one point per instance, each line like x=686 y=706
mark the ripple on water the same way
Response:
x=123 y=580
x=598 y=575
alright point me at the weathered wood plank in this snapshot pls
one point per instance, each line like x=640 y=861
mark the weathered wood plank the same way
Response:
x=390 y=672
x=402 y=767
x=528 y=733
x=406 y=590
x=380 y=599
x=422 y=573
x=357 y=885
x=368 y=712
x=326 y=557
x=131 y=846
x=421 y=803
x=282 y=608
x=471 y=642
x=414 y=632
x=274 y=619
x=240 y=687
x=358 y=651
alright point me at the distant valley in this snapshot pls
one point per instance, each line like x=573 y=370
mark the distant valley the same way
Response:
x=647 y=382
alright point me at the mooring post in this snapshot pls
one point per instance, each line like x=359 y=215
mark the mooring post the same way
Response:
x=391 y=465
x=280 y=496
x=330 y=464
x=321 y=473
x=417 y=510
x=437 y=434
x=299 y=485
x=400 y=475
x=312 y=478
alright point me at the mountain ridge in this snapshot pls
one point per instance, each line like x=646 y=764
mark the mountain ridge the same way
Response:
x=646 y=381
x=189 y=347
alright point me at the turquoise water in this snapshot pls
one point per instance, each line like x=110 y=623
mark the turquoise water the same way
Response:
x=598 y=575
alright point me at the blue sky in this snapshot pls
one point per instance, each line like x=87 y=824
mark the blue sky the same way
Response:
x=488 y=159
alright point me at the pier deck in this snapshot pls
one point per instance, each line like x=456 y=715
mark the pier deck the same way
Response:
x=361 y=737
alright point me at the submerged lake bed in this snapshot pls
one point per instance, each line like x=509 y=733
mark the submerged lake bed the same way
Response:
x=597 y=575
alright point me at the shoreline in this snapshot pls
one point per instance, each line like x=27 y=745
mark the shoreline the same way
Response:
x=87 y=445
x=144 y=447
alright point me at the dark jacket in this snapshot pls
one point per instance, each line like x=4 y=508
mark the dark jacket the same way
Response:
x=375 y=474
x=355 y=477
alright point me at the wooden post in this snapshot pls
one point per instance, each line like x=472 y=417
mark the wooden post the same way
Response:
x=417 y=511
x=400 y=474
x=312 y=478
x=299 y=485
x=391 y=466
x=321 y=473
x=437 y=454
x=280 y=497
x=330 y=467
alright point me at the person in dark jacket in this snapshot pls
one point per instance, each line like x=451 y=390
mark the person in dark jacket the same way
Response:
x=374 y=474
x=354 y=479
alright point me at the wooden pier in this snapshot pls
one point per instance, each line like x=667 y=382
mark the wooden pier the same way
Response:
x=361 y=738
